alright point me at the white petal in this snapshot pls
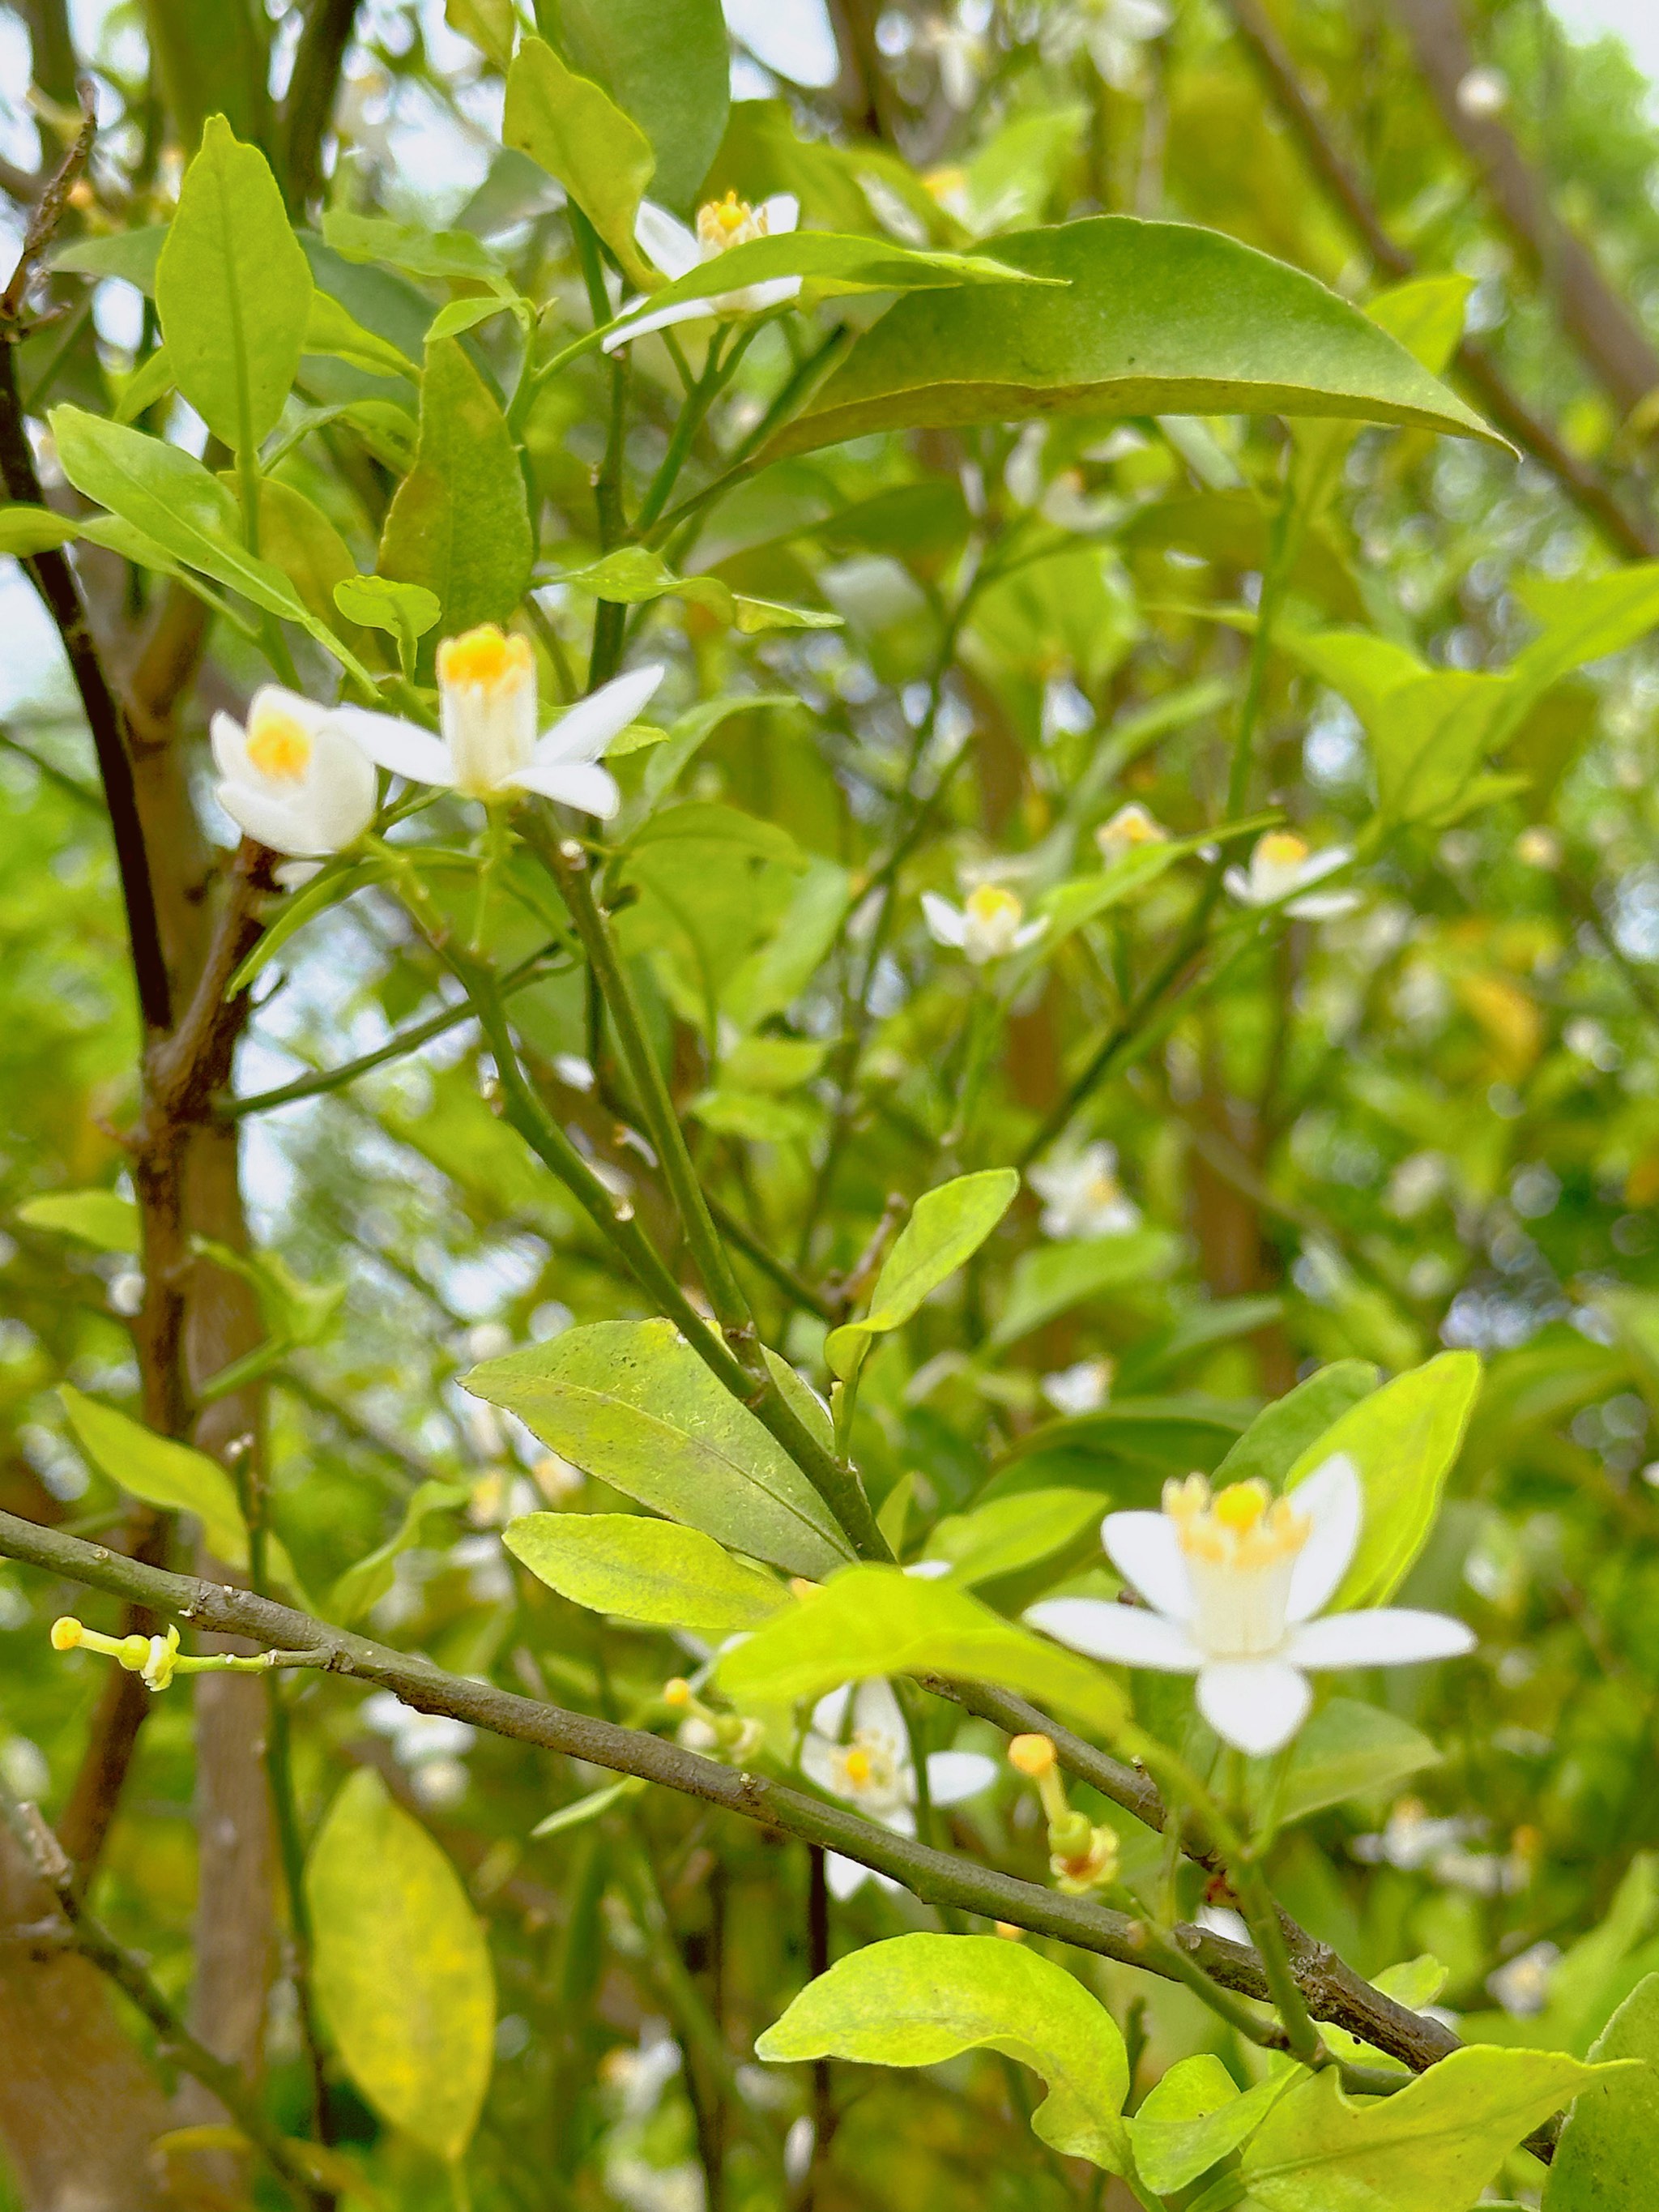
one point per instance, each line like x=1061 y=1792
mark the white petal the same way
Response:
x=845 y=1877
x=284 y=824
x=831 y=1712
x=404 y=747
x=928 y=1571
x=295 y=875
x=1319 y=865
x=953 y=1776
x=581 y=784
x=341 y=787
x=591 y=723
x=1239 y=884
x=1390 y=1636
x=1255 y=1704
x=1333 y=1501
x=1120 y=1632
x=229 y=742
x=820 y=1759
x=1030 y=932
x=664 y=240
x=876 y=1712
x=688 y=310
x=946 y=924
x=1146 y=1550
x=782 y=211
x=755 y=299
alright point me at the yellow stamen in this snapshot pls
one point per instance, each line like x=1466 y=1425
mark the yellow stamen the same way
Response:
x=66 y=1634
x=857 y=1768
x=730 y=222
x=1246 y=1526
x=1032 y=1755
x=1282 y=848
x=1241 y=1505
x=484 y=659
x=277 y=745
x=990 y=902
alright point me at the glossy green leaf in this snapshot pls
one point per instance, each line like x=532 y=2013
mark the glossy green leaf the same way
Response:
x=131 y=255
x=1435 y=2143
x=1009 y=1534
x=578 y=134
x=947 y=1226
x=706 y=821
x=460 y=525
x=100 y=1217
x=296 y=536
x=367 y=1580
x=1281 y=1432
x=407 y=610
x=1350 y=1750
x=400 y=1968
x=233 y=291
x=832 y=265
x=1155 y=319
x=25 y=530
x=152 y=380
x=871 y=1620
x=632 y=1404
x=633 y=574
x=1193 y=2116
x=332 y=328
x=577 y=1815
x=917 y=2000
x=1403 y=1439
x=1425 y=315
x=648 y=1570
x=1054 y=1277
x=491 y=25
x=407 y=246
x=666 y=63
x=173 y=1476
x=1608 y=2155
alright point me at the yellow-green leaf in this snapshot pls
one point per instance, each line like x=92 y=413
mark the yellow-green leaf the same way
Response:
x=175 y=1477
x=102 y=1218
x=650 y=1570
x=947 y=1225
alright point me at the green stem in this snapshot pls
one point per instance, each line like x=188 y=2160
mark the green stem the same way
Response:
x=1261 y=1916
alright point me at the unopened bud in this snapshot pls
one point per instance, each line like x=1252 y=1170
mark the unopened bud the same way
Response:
x=1031 y=1755
x=677 y=1693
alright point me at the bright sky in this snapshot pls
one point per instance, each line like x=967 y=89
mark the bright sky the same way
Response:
x=1636 y=21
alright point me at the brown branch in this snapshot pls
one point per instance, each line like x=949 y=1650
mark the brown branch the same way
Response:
x=1635 y=536
x=307 y=107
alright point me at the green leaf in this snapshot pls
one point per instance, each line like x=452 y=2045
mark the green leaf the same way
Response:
x=871 y=1620
x=406 y=246
x=831 y=264
x=1427 y=316
x=151 y=380
x=367 y=1580
x=947 y=1226
x=25 y=530
x=166 y=493
x=1193 y=2116
x=631 y=1403
x=297 y=538
x=1281 y=1432
x=633 y=574
x=648 y=1570
x=1009 y=1534
x=578 y=134
x=491 y=25
x=666 y=63
x=706 y=821
x=465 y=315
x=1157 y=319
x=918 y=2000
x=407 y=610
x=1433 y=2144
x=233 y=290
x=332 y=328
x=589 y=1807
x=336 y=881
x=1054 y=1277
x=131 y=255
x=400 y=1968
x=1403 y=1439
x=1350 y=1750
x=1608 y=2152
x=100 y=1217
x=174 y=1477
x=460 y=523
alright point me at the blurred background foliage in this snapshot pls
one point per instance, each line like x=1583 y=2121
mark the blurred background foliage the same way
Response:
x=1432 y=1122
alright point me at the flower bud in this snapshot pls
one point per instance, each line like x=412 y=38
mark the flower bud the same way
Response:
x=677 y=1692
x=1031 y=1755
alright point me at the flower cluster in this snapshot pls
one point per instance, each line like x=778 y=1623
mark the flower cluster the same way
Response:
x=299 y=777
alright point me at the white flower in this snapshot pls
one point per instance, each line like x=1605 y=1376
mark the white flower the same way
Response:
x=1082 y=1388
x=1086 y=1198
x=487 y=713
x=1114 y=32
x=1281 y=866
x=1522 y=1987
x=1130 y=826
x=417 y=1739
x=987 y=925
x=291 y=777
x=961 y=56
x=1234 y=1584
x=722 y=224
x=871 y=1769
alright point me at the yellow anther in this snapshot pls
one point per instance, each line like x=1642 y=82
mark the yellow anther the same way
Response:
x=1282 y=848
x=66 y=1634
x=484 y=659
x=1241 y=1506
x=857 y=1767
x=730 y=222
x=677 y=1693
x=990 y=902
x=277 y=745
x=1031 y=1755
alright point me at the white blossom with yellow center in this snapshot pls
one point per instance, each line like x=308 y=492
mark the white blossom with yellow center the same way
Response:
x=722 y=224
x=291 y=777
x=1085 y=1197
x=987 y=925
x=1282 y=868
x=1233 y=1582
x=858 y=1749
x=487 y=712
x=1131 y=826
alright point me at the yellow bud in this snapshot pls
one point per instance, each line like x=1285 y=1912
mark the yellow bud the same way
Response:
x=66 y=1634
x=1031 y=1755
x=677 y=1692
